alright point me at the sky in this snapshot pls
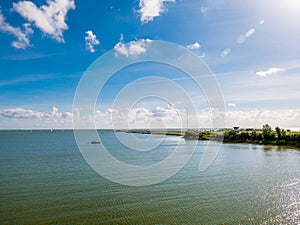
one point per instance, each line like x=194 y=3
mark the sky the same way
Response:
x=251 y=47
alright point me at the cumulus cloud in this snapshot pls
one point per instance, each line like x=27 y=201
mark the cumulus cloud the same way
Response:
x=256 y=118
x=151 y=8
x=21 y=35
x=50 y=18
x=269 y=72
x=161 y=116
x=141 y=117
x=134 y=48
x=20 y=113
x=139 y=114
x=91 y=41
x=194 y=46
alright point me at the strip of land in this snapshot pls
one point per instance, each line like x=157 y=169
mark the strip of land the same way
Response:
x=265 y=136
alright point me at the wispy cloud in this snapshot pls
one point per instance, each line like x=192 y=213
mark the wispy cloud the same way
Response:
x=269 y=72
x=50 y=19
x=25 y=79
x=134 y=48
x=194 y=46
x=21 y=35
x=25 y=56
x=151 y=8
x=90 y=41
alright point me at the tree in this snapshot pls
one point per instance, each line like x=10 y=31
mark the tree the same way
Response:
x=254 y=135
x=266 y=131
x=278 y=131
x=283 y=133
x=231 y=135
x=244 y=136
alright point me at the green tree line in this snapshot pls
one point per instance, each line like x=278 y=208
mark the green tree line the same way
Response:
x=264 y=136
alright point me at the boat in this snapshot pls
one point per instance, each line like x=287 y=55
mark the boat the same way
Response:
x=95 y=142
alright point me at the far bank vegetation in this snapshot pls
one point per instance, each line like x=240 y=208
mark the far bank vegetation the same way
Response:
x=266 y=136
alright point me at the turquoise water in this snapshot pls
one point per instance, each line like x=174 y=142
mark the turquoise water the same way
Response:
x=45 y=180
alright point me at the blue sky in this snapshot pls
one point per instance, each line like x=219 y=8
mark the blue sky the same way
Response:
x=252 y=47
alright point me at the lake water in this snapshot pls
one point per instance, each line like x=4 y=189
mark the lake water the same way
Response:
x=45 y=180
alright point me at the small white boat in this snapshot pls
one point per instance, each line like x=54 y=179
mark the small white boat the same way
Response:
x=95 y=142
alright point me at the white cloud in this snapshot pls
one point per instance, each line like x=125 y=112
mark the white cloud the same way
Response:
x=231 y=104
x=17 y=118
x=140 y=117
x=151 y=8
x=269 y=72
x=159 y=117
x=134 y=48
x=21 y=35
x=20 y=113
x=194 y=46
x=143 y=117
x=111 y=110
x=91 y=41
x=256 y=118
x=50 y=19
x=139 y=114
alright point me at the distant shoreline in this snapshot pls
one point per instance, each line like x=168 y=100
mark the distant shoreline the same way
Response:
x=264 y=136
x=278 y=137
